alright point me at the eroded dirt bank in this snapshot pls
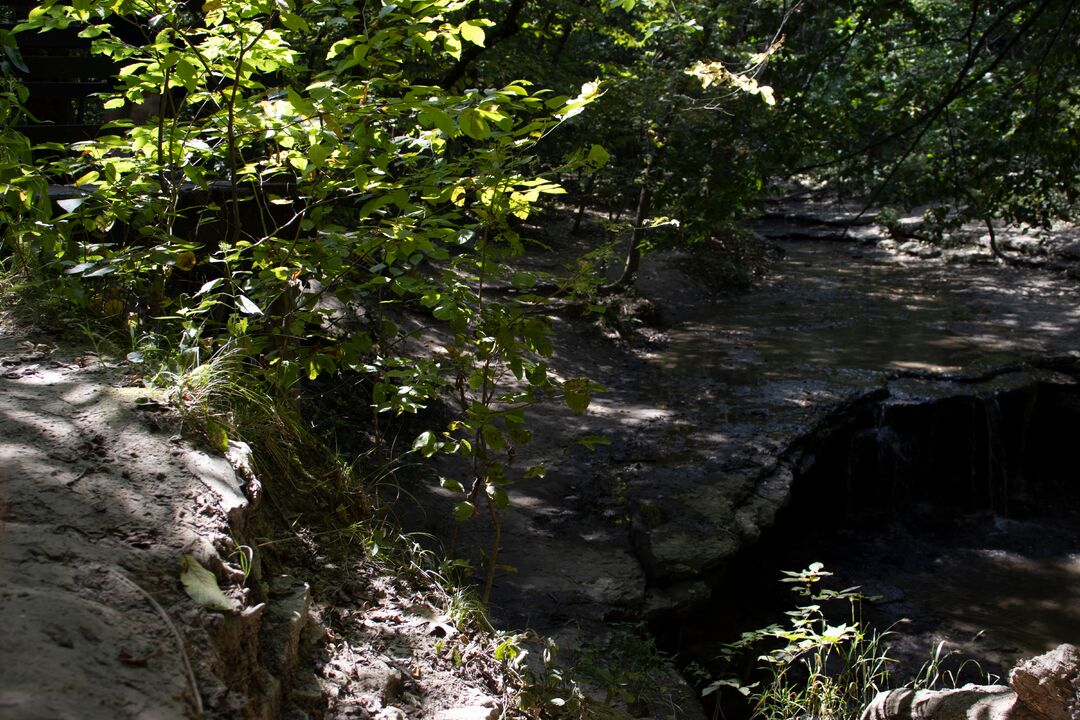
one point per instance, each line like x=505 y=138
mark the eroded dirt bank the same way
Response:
x=99 y=500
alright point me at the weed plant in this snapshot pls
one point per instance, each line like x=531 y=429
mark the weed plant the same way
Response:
x=813 y=669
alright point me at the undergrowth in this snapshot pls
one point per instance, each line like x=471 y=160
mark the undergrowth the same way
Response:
x=813 y=668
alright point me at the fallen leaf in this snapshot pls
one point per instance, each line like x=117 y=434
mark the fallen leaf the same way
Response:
x=202 y=587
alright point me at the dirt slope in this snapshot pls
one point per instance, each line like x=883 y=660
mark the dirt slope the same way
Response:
x=98 y=503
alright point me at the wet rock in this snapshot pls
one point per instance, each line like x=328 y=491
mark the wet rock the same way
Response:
x=920 y=249
x=889 y=245
x=685 y=547
x=1070 y=251
x=1050 y=683
x=681 y=597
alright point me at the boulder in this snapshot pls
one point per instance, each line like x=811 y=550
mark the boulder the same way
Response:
x=1050 y=683
x=1043 y=688
x=1070 y=251
x=970 y=702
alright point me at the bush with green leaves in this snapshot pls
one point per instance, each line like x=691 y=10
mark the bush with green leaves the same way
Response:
x=298 y=164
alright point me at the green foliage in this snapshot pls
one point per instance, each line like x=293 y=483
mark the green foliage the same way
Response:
x=680 y=84
x=298 y=164
x=813 y=668
x=936 y=673
x=24 y=202
x=966 y=105
x=549 y=691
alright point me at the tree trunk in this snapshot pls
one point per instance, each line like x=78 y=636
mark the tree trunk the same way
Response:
x=633 y=248
x=585 y=194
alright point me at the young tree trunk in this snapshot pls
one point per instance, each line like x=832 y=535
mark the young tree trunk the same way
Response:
x=633 y=248
x=585 y=194
x=994 y=249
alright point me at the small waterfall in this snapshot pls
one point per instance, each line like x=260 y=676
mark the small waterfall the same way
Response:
x=997 y=471
x=892 y=457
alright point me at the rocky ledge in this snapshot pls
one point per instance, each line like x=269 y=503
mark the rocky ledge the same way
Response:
x=1042 y=688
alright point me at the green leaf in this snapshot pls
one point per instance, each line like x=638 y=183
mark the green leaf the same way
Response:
x=498 y=496
x=248 y=307
x=451 y=484
x=78 y=269
x=593 y=441
x=444 y=312
x=202 y=587
x=11 y=51
x=598 y=156
x=523 y=280
x=208 y=286
x=438 y=118
x=578 y=394
x=507 y=650
x=293 y=22
x=464 y=510
x=472 y=31
x=474 y=125
x=425 y=443
x=493 y=437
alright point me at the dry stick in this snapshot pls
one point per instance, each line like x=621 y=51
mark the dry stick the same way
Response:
x=193 y=685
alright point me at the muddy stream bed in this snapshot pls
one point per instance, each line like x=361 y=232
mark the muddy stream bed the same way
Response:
x=946 y=489
x=852 y=408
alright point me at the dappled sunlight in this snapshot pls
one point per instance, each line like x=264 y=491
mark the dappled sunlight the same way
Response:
x=631 y=415
x=923 y=367
x=99 y=504
x=829 y=310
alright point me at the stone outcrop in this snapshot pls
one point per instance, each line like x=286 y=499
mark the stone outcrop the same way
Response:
x=1050 y=683
x=1043 y=688
x=970 y=702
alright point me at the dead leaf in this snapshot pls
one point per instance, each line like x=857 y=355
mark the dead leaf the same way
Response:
x=202 y=587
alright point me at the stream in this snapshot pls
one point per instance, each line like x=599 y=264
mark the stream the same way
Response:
x=950 y=501
x=807 y=419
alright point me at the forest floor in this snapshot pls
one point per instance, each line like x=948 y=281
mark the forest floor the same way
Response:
x=103 y=503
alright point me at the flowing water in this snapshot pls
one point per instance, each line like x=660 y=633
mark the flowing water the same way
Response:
x=961 y=518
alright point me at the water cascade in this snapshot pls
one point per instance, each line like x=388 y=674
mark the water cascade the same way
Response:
x=954 y=502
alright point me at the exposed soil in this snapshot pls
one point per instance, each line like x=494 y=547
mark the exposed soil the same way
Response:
x=101 y=498
x=99 y=502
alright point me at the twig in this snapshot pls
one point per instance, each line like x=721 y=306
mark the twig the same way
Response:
x=193 y=685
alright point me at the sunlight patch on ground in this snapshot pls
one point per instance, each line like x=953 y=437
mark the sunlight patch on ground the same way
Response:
x=923 y=366
x=628 y=414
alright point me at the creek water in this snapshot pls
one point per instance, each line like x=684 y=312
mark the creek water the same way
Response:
x=961 y=518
